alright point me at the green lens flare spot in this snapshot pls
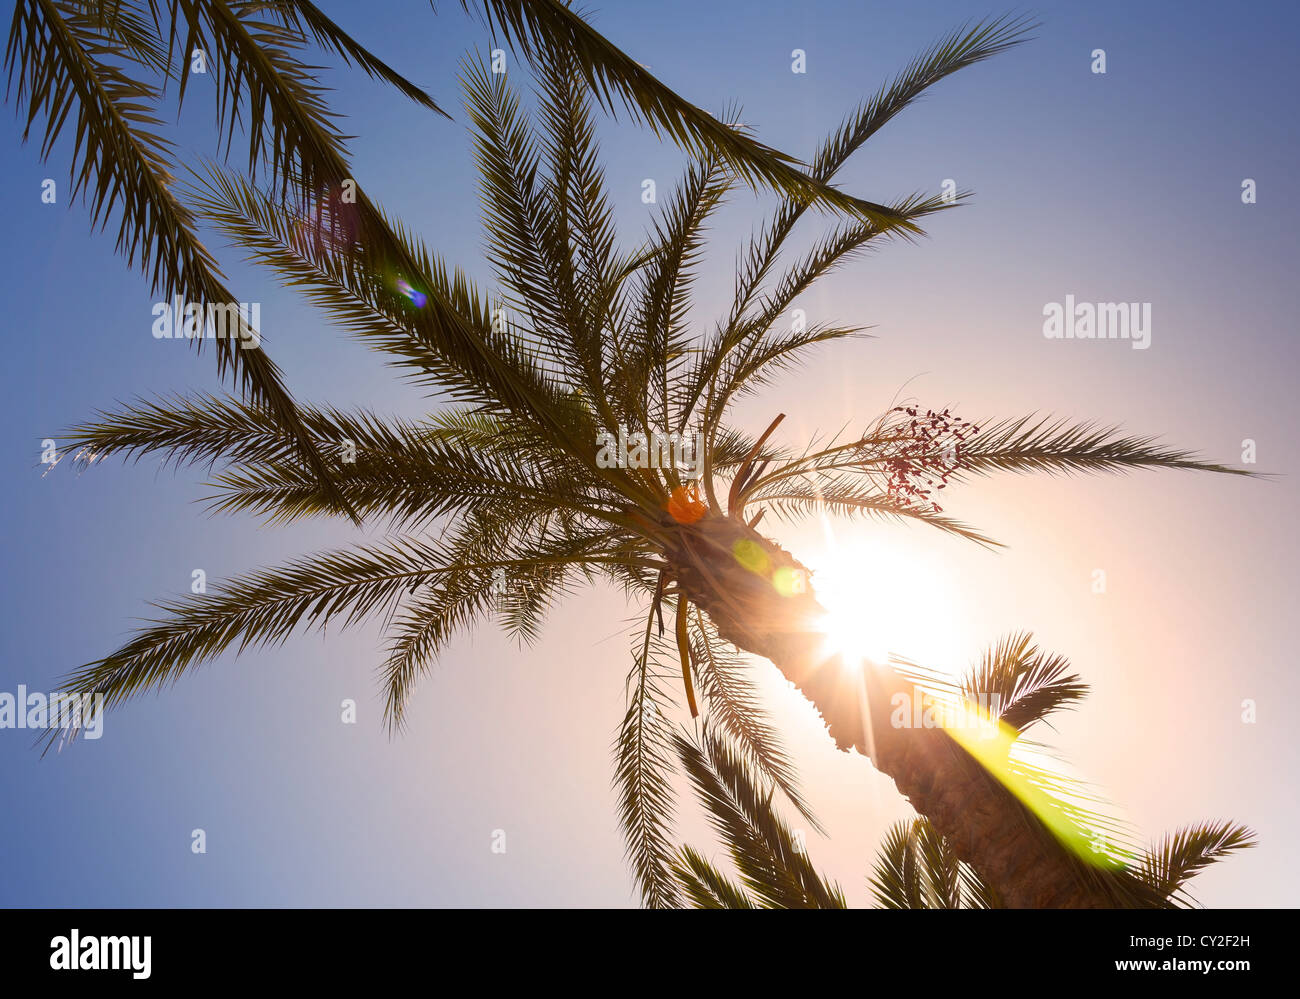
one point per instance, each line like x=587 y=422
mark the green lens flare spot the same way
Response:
x=790 y=582
x=750 y=554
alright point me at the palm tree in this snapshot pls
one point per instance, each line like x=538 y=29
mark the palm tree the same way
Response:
x=112 y=62
x=505 y=475
x=917 y=866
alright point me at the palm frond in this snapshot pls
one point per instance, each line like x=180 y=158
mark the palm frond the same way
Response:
x=963 y=47
x=534 y=26
x=261 y=608
x=487 y=548
x=842 y=496
x=1019 y=685
x=266 y=91
x=642 y=769
x=895 y=881
x=1042 y=444
x=450 y=340
x=306 y=17
x=771 y=863
x=1179 y=856
x=409 y=473
x=748 y=333
x=917 y=868
x=661 y=342
x=264 y=607
x=704 y=885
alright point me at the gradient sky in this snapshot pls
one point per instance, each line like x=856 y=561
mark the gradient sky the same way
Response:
x=1122 y=187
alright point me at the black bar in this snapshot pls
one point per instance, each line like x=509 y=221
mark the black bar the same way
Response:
x=441 y=947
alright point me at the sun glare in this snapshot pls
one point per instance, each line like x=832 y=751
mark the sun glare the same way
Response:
x=884 y=599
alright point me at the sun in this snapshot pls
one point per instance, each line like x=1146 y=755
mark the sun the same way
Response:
x=884 y=599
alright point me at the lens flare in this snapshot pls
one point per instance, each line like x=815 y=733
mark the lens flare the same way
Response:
x=418 y=298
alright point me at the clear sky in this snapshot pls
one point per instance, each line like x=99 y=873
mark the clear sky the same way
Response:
x=1117 y=187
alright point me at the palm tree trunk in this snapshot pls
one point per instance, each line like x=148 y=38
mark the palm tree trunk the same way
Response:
x=727 y=569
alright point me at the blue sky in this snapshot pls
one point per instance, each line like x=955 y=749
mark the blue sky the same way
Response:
x=1123 y=186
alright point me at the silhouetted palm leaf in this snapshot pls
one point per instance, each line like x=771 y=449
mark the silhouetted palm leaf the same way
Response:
x=771 y=862
x=1170 y=864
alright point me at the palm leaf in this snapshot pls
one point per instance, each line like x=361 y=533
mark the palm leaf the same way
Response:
x=643 y=764
x=1180 y=855
x=1019 y=685
x=306 y=17
x=704 y=885
x=535 y=26
x=770 y=861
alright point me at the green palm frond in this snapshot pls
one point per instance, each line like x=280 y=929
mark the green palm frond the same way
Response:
x=845 y=497
x=775 y=352
x=186 y=430
x=895 y=882
x=535 y=26
x=978 y=893
x=409 y=473
x=959 y=49
x=266 y=606
x=307 y=18
x=665 y=284
x=943 y=870
x=643 y=763
x=1020 y=685
x=1042 y=444
x=591 y=272
x=716 y=374
x=264 y=90
x=130 y=24
x=962 y=48
x=836 y=248
x=453 y=342
x=772 y=863
x=429 y=616
x=939 y=445
x=901 y=462
x=362 y=299
x=524 y=244
x=407 y=486
x=577 y=177
x=547 y=583
x=65 y=61
x=706 y=887
x=262 y=608
x=917 y=868
x=488 y=548
x=305 y=154
x=1180 y=855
